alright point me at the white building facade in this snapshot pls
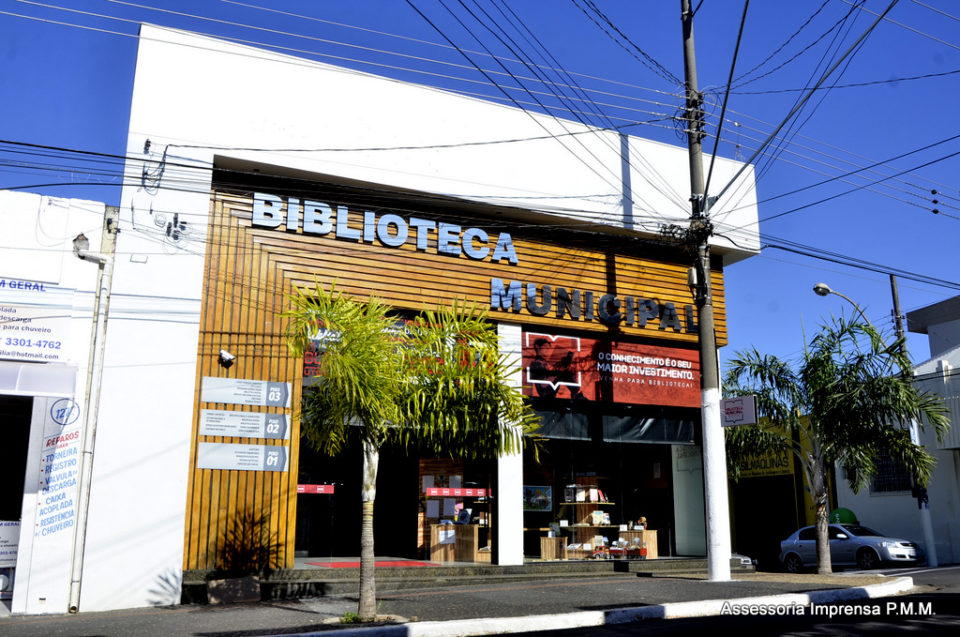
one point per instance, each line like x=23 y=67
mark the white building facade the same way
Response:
x=889 y=504
x=202 y=108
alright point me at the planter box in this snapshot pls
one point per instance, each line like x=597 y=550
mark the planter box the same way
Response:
x=233 y=590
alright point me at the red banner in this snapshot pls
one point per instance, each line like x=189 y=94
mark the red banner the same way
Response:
x=579 y=368
x=321 y=489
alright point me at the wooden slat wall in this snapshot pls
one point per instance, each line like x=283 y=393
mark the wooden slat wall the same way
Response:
x=406 y=278
x=242 y=296
x=248 y=271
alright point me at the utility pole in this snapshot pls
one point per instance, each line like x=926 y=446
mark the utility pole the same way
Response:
x=920 y=493
x=101 y=307
x=714 y=450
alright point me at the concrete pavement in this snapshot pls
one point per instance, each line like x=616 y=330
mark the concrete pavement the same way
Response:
x=477 y=609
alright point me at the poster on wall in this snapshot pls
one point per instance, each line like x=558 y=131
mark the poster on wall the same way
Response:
x=537 y=498
x=34 y=321
x=577 y=368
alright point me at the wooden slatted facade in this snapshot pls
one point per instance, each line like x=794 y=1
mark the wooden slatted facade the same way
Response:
x=250 y=269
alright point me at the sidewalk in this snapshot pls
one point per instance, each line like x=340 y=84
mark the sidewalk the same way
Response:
x=474 y=609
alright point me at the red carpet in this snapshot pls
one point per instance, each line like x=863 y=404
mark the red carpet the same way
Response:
x=378 y=563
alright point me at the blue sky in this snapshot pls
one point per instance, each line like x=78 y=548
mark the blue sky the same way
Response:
x=66 y=74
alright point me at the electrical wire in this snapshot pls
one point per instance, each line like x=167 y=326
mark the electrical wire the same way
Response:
x=663 y=186
x=803 y=26
x=936 y=10
x=533 y=117
x=643 y=58
x=441 y=45
x=322 y=40
x=895 y=80
x=803 y=101
x=726 y=96
x=908 y=28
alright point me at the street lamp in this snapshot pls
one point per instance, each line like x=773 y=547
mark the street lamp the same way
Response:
x=822 y=289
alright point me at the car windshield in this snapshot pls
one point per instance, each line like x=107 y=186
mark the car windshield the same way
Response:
x=857 y=529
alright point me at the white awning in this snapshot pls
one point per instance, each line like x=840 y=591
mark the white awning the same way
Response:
x=37 y=379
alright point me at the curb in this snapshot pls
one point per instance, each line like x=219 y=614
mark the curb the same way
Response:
x=584 y=619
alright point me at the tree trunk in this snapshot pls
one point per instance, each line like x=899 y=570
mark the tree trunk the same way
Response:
x=368 y=585
x=821 y=500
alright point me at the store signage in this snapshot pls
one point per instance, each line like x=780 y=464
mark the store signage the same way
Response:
x=34 y=321
x=393 y=231
x=773 y=463
x=316 y=489
x=239 y=391
x=59 y=473
x=9 y=540
x=577 y=305
x=243 y=424
x=741 y=410
x=217 y=455
x=577 y=368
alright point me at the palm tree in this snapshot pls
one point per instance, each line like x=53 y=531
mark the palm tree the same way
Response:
x=437 y=382
x=850 y=400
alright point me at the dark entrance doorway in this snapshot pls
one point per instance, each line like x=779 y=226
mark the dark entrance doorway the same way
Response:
x=765 y=512
x=15 y=416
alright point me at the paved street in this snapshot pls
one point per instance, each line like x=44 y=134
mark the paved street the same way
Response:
x=513 y=599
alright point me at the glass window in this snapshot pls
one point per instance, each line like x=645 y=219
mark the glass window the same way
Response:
x=891 y=476
x=808 y=534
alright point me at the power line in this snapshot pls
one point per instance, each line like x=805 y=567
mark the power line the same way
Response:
x=540 y=104
x=936 y=10
x=726 y=96
x=441 y=45
x=846 y=192
x=644 y=58
x=895 y=80
x=795 y=56
x=787 y=42
x=809 y=94
x=334 y=42
x=663 y=186
x=534 y=118
x=908 y=28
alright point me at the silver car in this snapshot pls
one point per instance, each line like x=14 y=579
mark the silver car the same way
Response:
x=850 y=544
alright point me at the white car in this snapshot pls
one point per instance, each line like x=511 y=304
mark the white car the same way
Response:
x=850 y=544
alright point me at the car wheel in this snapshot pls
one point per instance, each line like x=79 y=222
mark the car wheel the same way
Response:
x=867 y=559
x=793 y=564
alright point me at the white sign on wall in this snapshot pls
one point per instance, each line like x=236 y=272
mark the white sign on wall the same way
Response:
x=34 y=320
x=741 y=410
x=243 y=424
x=9 y=539
x=239 y=391
x=46 y=539
x=220 y=455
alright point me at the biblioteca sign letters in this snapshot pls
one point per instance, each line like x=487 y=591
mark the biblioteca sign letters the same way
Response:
x=393 y=231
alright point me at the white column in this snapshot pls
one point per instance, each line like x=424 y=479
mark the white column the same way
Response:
x=509 y=496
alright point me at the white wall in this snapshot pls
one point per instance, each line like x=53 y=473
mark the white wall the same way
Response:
x=943 y=337
x=37 y=248
x=897 y=514
x=191 y=90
